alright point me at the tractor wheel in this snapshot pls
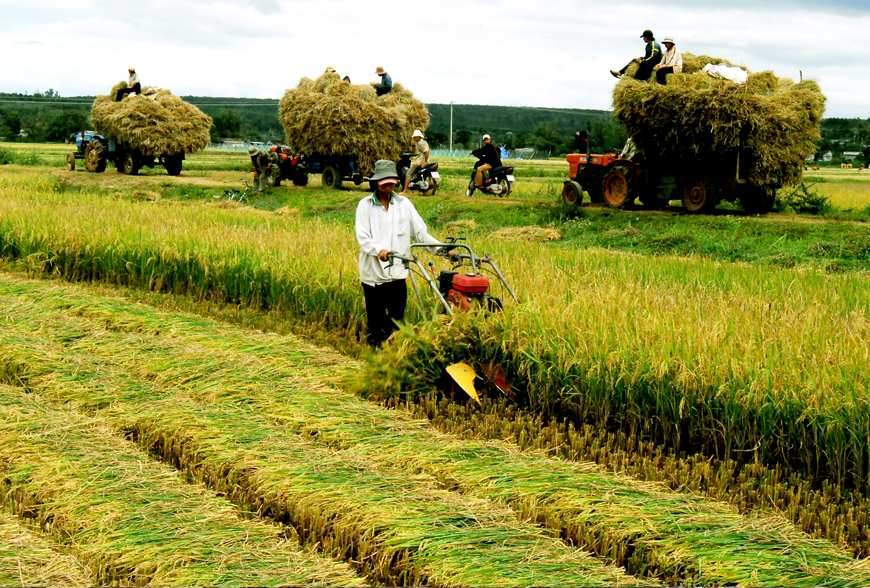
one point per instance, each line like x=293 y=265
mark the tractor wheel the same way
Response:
x=572 y=193
x=698 y=196
x=505 y=186
x=300 y=180
x=596 y=193
x=331 y=178
x=95 y=156
x=129 y=165
x=757 y=199
x=173 y=164
x=617 y=187
x=71 y=161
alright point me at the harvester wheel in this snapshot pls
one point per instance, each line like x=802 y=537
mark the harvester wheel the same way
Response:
x=698 y=196
x=173 y=164
x=331 y=177
x=129 y=165
x=71 y=161
x=95 y=156
x=300 y=180
x=617 y=187
x=505 y=187
x=572 y=193
x=757 y=199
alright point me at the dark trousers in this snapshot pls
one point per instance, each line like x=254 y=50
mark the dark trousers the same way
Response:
x=385 y=303
x=660 y=75
x=123 y=92
x=645 y=70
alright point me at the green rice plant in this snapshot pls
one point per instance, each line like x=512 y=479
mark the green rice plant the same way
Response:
x=133 y=522
x=654 y=532
x=27 y=559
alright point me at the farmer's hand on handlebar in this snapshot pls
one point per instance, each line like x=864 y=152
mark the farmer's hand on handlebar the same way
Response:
x=382 y=254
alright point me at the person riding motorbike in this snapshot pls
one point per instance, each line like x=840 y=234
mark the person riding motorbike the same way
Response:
x=488 y=158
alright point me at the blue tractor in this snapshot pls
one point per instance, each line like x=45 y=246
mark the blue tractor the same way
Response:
x=98 y=150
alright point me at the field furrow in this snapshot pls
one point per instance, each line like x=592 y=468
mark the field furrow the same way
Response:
x=133 y=521
x=29 y=559
x=266 y=390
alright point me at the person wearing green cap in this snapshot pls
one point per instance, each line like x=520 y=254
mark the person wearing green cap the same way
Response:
x=385 y=222
x=652 y=57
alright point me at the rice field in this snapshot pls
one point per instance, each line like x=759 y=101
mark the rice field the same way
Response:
x=681 y=420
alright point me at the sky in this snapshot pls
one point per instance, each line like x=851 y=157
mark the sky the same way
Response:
x=540 y=53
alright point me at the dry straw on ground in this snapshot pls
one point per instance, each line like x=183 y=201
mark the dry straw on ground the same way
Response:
x=166 y=125
x=698 y=120
x=334 y=117
x=529 y=234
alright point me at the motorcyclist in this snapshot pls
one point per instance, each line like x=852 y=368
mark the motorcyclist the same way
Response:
x=488 y=158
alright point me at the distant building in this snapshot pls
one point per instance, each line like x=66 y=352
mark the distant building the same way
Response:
x=828 y=156
x=850 y=155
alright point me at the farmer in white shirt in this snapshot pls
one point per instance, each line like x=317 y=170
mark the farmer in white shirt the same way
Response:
x=385 y=222
x=672 y=62
x=133 y=85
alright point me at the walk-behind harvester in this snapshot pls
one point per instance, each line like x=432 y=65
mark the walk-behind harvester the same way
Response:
x=462 y=288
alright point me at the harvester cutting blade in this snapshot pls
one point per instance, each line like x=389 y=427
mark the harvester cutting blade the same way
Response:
x=463 y=375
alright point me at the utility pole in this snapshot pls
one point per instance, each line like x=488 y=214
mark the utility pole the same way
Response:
x=451 y=126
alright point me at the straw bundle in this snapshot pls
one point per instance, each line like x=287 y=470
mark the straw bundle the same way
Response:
x=528 y=234
x=697 y=120
x=166 y=125
x=334 y=117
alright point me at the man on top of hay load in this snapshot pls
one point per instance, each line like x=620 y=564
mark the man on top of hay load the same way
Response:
x=133 y=86
x=385 y=222
x=386 y=83
x=421 y=148
x=672 y=62
x=651 y=58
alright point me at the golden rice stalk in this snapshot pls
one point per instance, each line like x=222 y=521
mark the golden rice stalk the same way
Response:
x=334 y=117
x=166 y=125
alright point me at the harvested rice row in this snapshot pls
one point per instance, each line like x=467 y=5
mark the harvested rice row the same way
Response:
x=27 y=559
x=131 y=521
x=400 y=529
x=654 y=532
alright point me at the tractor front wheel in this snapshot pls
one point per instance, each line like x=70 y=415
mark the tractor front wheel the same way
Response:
x=617 y=187
x=95 y=156
x=572 y=193
x=331 y=178
x=71 y=161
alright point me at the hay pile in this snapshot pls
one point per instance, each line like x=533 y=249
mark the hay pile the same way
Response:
x=334 y=117
x=166 y=125
x=528 y=234
x=698 y=120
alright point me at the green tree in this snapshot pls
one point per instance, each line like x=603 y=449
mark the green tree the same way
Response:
x=63 y=124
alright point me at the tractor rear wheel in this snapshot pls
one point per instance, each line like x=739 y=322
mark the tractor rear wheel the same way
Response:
x=300 y=180
x=129 y=165
x=617 y=187
x=698 y=196
x=572 y=193
x=95 y=156
x=173 y=164
x=756 y=199
x=71 y=161
x=331 y=177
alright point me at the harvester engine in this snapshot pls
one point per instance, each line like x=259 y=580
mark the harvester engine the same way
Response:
x=467 y=291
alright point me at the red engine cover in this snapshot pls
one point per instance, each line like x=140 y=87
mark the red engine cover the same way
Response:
x=470 y=284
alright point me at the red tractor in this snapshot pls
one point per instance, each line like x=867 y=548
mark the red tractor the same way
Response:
x=655 y=182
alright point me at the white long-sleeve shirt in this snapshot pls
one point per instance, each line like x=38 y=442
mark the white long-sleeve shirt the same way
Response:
x=134 y=79
x=392 y=229
x=673 y=58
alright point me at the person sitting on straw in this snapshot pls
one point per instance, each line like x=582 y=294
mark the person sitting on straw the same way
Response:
x=672 y=62
x=651 y=58
x=133 y=85
x=421 y=148
x=386 y=83
x=385 y=222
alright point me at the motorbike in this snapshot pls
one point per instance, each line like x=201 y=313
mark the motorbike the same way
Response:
x=496 y=181
x=425 y=180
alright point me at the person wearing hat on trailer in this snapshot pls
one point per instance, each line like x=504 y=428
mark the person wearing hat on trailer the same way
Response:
x=672 y=61
x=385 y=222
x=651 y=58
x=421 y=148
x=133 y=85
x=386 y=83
x=488 y=158
x=262 y=164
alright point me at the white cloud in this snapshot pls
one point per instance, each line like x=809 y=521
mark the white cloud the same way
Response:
x=514 y=52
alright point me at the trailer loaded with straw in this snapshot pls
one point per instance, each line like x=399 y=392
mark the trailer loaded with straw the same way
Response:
x=703 y=138
x=146 y=130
